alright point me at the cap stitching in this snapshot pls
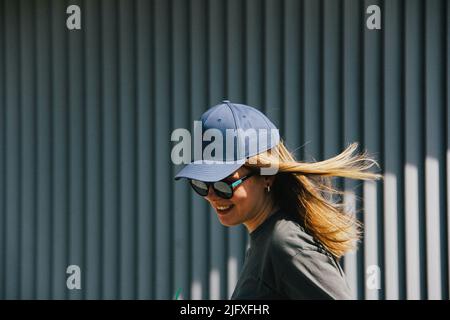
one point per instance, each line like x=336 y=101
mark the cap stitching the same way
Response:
x=214 y=111
x=234 y=115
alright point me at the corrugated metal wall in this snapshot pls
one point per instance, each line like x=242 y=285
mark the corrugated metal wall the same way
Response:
x=86 y=117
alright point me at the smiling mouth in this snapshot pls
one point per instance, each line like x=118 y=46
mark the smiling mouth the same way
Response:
x=224 y=209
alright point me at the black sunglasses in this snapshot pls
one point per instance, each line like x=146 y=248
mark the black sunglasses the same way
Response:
x=222 y=188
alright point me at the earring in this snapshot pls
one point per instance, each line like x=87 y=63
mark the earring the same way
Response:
x=268 y=188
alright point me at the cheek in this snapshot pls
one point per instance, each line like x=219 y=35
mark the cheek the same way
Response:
x=248 y=198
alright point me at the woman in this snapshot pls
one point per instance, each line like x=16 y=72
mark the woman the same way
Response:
x=297 y=231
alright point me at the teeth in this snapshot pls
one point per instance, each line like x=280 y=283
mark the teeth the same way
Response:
x=223 y=207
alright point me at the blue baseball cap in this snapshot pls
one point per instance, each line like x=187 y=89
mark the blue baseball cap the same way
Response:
x=244 y=132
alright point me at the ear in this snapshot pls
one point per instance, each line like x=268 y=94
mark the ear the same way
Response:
x=268 y=180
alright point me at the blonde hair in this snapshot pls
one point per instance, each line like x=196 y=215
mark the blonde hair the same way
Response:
x=306 y=189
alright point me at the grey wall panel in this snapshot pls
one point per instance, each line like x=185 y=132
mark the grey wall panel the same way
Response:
x=110 y=150
x=447 y=120
x=93 y=154
x=181 y=119
x=28 y=143
x=434 y=103
x=413 y=95
x=86 y=118
x=161 y=131
x=392 y=140
x=312 y=93
x=351 y=78
x=43 y=152
x=2 y=159
x=11 y=156
x=370 y=135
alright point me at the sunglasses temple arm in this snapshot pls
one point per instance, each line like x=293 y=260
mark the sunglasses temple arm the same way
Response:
x=236 y=183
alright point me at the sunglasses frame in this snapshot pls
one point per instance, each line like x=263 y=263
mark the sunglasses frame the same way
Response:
x=233 y=185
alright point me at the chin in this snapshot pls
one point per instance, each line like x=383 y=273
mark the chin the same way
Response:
x=224 y=221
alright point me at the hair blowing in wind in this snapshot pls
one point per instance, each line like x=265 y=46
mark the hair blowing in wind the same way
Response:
x=307 y=187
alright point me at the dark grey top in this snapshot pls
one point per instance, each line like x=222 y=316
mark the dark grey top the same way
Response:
x=285 y=262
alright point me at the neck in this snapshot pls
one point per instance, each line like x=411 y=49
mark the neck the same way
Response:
x=267 y=210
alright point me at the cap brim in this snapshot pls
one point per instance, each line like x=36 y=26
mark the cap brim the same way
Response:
x=209 y=172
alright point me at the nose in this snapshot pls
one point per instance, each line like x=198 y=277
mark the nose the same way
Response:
x=211 y=194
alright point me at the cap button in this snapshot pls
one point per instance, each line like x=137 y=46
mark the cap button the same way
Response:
x=226 y=101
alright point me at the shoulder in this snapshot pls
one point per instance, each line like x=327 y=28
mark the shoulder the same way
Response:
x=289 y=237
x=306 y=269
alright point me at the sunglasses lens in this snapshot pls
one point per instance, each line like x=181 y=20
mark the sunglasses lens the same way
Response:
x=223 y=190
x=200 y=187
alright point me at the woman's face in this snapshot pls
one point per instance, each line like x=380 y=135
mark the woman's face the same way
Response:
x=249 y=199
